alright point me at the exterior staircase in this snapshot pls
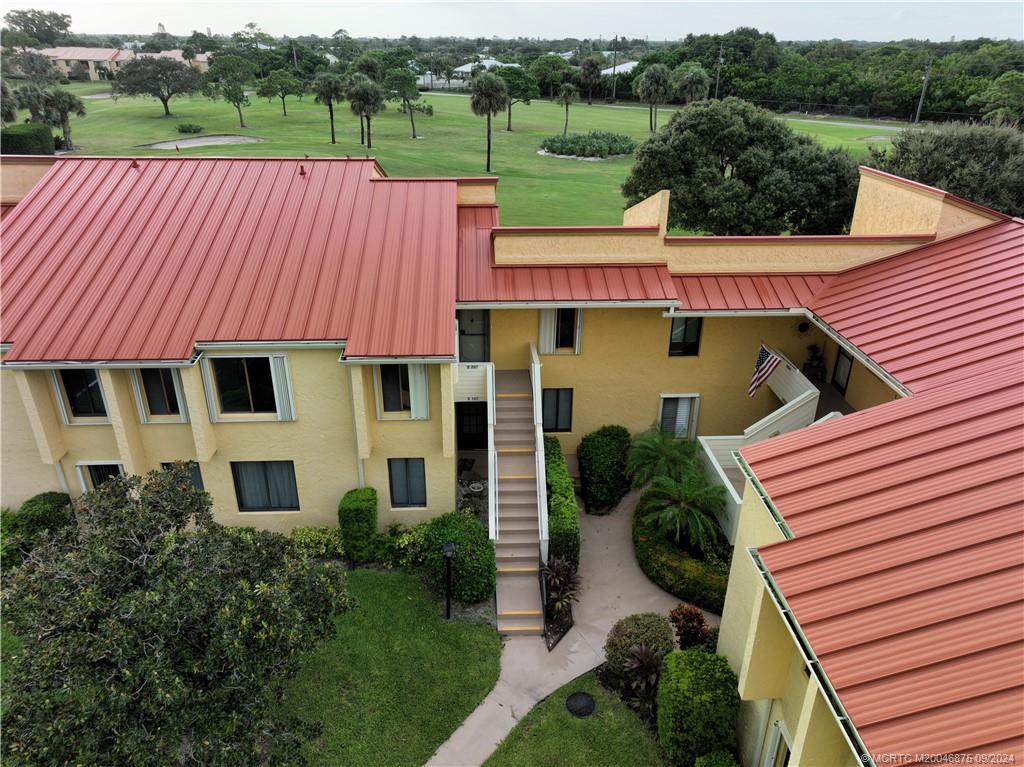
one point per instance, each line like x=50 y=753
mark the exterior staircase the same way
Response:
x=518 y=545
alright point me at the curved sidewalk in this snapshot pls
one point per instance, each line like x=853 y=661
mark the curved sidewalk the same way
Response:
x=613 y=586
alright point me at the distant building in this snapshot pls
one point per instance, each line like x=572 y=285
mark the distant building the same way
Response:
x=103 y=63
x=467 y=69
x=619 y=69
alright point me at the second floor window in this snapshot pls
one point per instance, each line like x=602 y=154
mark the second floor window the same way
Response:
x=395 y=392
x=83 y=393
x=244 y=384
x=685 y=338
x=161 y=393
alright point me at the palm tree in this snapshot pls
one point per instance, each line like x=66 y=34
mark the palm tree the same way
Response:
x=366 y=99
x=590 y=75
x=684 y=507
x=60 y=105
x=329 y=90
x=691 y=82
x=8 y=103
x=653 y=87
x=567 y=95
x=489 y=97
x=658 y=453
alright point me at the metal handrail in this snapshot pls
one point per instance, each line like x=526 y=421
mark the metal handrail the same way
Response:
x=541 y=471
x=492 y=457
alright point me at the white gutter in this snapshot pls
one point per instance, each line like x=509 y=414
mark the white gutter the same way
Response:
x=626 y=304
x=402 y=360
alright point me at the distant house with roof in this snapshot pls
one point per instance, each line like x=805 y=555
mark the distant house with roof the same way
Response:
x=623 y=67
x=103 y=63
x=466 y=70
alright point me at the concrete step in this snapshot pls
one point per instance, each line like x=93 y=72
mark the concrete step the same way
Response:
x=521 y=625
x=519 y=570
x=511 y=380
x=518 y=524
x=516 y=429
x=518 y=596
x=516 y=553
x=515 y=447
x=518 y=505
x=517 y=537
x=512 y=407
x=516 y=466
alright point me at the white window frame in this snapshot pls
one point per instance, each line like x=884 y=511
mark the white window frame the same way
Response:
x=548 y=332
x=692 y=426
x=419 y=401
x=83 y=476
x=64 y=403
x=779 y=736
x=281 y=377
x=142 y=402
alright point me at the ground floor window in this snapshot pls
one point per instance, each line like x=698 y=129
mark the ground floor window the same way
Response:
x=265 y=485
x=92 y=475
x=407 y=477
x=557 y=409
x=778 y=747
x=679 y=415
x=194 y=474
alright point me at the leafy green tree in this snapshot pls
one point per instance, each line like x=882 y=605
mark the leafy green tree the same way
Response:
x=281 y=84
x=658 y=453
x=15 y=38
x=226 y=80
x=488 y=96
x=447 y=71
x=45 y=26
x=163 y=79
x=549 y=71
x=370 y=66
x=154 y=636
x=329 y=89
x=60 y=106
x=8 y=103
x=1003 y=100
x=188 y=52
x=202 y=42
x=366 y=99
x=254 y=45
x=567 y=96
x=161 y=41
x=522 y=88
x=590 y=75
x=684 y=506
x=690 y=82
x=653 y=87
x=982 y=163
x=733 y=168
x=36 y=67
x=33 y=98
x=401 y=86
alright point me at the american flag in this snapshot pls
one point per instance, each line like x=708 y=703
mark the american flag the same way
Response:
x=767 y=361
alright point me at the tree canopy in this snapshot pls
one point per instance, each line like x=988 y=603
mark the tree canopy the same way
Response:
x=279 y=84
x=329 y=89
x=163 y=79
x=226 y=79
x=45 y=26
x=154 y=636
x=366 y=99
x=549 y=71
x=1003 y=100
x=521 y=85
x=733 y=168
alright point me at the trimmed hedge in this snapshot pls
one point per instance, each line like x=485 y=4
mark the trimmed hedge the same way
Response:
x=26 y=138
x=651 y=629
x=21 y=531
x=692 y=580
x=698 y=706
x=563 y=511
x=473 y=566
x=596 y=143
x=189 y=128
x=357 y=518
x=322 y=542
x=602 y=456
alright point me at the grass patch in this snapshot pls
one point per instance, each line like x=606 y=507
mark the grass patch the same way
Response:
x=613 y=736
x=397 y=680
x=534 y=189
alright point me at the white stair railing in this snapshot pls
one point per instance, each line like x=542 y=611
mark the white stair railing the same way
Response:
x=541 y=472
x=492 y=456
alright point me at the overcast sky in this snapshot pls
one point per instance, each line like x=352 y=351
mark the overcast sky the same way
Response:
x=655 y=20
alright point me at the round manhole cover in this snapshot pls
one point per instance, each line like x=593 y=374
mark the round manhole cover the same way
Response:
x=580 y=704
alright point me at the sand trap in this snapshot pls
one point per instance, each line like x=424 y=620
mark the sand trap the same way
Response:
x=546 y=153
x=185 y=143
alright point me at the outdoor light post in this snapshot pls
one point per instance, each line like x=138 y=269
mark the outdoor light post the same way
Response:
x=449 y=554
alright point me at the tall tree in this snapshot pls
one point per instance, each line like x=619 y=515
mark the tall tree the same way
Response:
x=489 y=95
x=36 y=67
x=733 y=168
x=370 y=65
x=522 y=88
x=590 y=75
x=281 y=84
x=653 y=87
x=60 y=106
x=226 y=79
x=690 y=82
x=366 y=99
x=45 y=26
x=155 y=636
x=401 y=86
x=163 y=79
x=8 y=103
x=1003 y=100
x=33 y=98
x=329 y=89
x=15 y=38
x=567 y=96
x=549 y=71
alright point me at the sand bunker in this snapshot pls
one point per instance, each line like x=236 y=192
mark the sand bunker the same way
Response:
x=185 y=143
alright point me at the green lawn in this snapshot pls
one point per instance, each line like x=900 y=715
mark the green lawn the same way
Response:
x=613 y=736
x=397 y=680
x=533 y=189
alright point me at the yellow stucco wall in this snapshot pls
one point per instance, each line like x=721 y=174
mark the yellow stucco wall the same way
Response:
x=19 y=174
x=22 y=472
x=624 y=367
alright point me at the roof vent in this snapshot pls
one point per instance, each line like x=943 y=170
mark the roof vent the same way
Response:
x=302 y=170
x=135 y=163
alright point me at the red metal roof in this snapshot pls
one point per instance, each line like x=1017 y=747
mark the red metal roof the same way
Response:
x=122 y=259
x=71 y=53
x=741 y=292
x=483 y=282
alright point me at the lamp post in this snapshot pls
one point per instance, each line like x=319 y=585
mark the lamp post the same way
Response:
x=449 y=554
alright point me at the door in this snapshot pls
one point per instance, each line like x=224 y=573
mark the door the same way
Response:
x=474 y=335
x=471 y=425
x=841 y=371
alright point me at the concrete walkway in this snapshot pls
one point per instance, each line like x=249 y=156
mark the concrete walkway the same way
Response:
x=613 y=586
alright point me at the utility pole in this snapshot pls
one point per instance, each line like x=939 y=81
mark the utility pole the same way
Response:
x=718 y=69
x=615 y=63
x=924 y=89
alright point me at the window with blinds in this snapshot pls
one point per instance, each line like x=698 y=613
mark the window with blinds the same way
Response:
x=679 y=416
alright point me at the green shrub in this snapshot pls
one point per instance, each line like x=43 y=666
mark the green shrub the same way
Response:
x=357 y=518
x=563 y=511
x=692 y=580
x=473 y=567
x=716 y=759
x=698 y=706
x=690 y=625
x=323 y=542
x=650 y=629
x=596 y=143
x=602 y=456
x=189 y=128
x=26 y=138
x=21 y=531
